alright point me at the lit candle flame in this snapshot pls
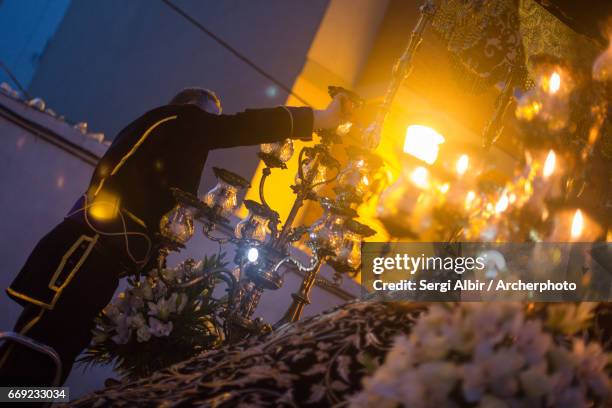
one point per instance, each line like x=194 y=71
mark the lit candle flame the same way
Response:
x=462 y=164
x=469 y=199
x=549 y=164
x=577 y=225
x=423 y=143
x=420 y=177
x=502 y=204
x=554 y=83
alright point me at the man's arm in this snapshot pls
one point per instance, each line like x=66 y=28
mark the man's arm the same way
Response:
x=257 y=126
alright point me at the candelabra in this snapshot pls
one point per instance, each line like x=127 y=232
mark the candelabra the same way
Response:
x=263 y=244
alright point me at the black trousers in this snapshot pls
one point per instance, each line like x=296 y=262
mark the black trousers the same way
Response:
x=65 y=283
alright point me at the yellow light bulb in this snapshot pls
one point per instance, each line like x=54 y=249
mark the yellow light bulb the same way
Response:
x=549 y=164
x=423 y=143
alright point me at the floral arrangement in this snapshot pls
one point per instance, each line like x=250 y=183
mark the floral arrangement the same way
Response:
x=492 y=355
x=158 y=321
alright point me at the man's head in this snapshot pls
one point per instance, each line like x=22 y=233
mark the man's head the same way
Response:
x=205 y=99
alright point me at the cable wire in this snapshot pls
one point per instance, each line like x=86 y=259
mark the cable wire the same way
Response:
x=234 y=51
x=14 y=79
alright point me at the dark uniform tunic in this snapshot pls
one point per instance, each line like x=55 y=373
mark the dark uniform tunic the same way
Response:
x=74 y=270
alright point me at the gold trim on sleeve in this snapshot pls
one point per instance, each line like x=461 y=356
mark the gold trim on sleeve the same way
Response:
x=67 y=255
x=133 y=149
x=59 y=289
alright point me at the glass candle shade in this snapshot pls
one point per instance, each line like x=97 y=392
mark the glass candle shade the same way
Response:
x=545 y=177
x=575 y=225
x=255 y=225
x=548 y=101
x=405 y=201
x=281 y=151
x=349 y=252
x=353 y=182
x=356 y=181
x=223 y=198
x=177 y=224
x=326 y=233
x=602 y=67
x=315 y=171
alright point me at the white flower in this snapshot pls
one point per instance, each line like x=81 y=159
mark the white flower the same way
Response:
x=591 y=362
x=137 y=321
x=143 y=334
x=159 y=329
x=535 y=382
x=128 y=302
x=159 y=290
x=496 y=357
x=164 y=307
x=146 y=289
x=123 y=329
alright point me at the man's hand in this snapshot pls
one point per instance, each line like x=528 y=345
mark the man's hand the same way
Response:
x=337 y=112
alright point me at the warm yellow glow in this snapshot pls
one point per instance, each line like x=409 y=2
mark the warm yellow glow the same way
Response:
x=344 y=128
x=528 y=187
x=502 y=204
x=602 y=68
x=577 y=224
x=549 y=164
x=104 y=206
x=462 y=164
x=469 y=199
x=554 y=83
x=423 y=143
x=528 y=111
x=444 y=188
x=420 y=177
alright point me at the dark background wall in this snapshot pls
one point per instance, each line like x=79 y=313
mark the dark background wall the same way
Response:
x=112 y=60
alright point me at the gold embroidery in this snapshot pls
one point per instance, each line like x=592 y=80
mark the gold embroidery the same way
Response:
x=67 y=255
x=133 y=149
x=28 y=299
x=59 y=289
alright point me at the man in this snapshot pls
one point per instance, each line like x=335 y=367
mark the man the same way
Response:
x=74 y=270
